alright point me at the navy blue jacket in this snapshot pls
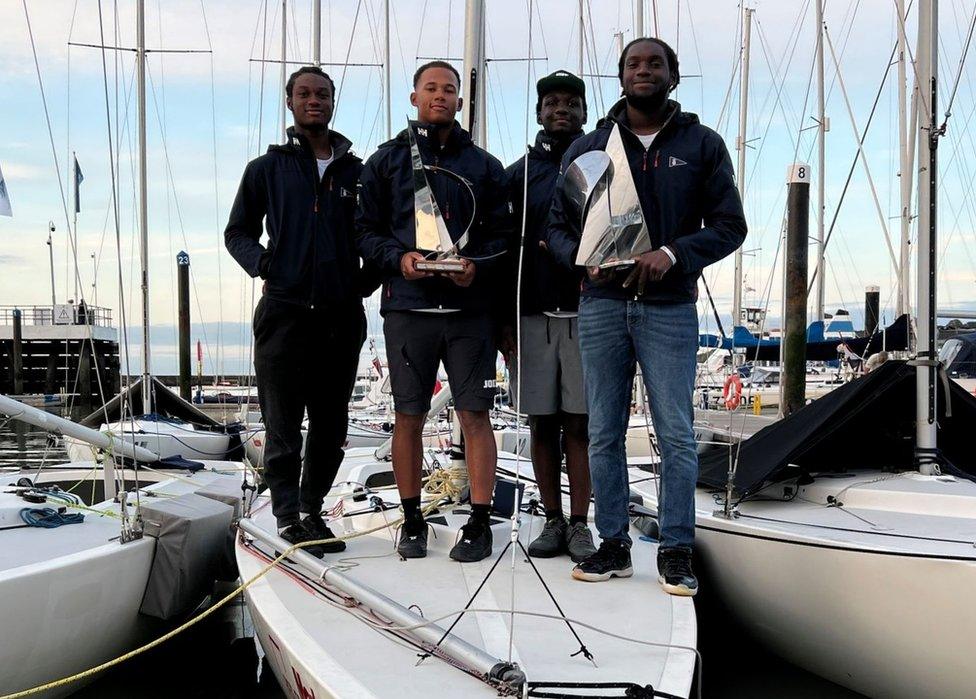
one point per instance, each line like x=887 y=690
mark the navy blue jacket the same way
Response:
x=687 y=192
x=385 y=218
x=546 y=285
x=310 y=259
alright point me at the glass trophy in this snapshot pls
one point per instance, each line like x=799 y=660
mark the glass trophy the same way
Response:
x=432 y=236
x=613 y=225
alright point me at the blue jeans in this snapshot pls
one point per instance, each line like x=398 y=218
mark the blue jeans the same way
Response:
x=614 y=336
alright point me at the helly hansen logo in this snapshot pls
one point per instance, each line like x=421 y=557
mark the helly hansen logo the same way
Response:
x=675 y=162
x=547 y=146
x=422 y=132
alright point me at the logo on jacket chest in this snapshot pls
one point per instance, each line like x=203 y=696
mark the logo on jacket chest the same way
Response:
x=675 y=162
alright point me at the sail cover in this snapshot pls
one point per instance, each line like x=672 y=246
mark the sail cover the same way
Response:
x=867 y=423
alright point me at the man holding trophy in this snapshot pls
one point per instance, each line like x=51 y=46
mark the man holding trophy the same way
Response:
x=433 y=217
x=645 y=203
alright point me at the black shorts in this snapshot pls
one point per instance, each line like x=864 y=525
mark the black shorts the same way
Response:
x=417 y=342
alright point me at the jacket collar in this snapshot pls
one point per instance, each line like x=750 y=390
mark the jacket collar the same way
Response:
x=297 y=143
x=428 y=140
x=548 y=148
x=618 y=115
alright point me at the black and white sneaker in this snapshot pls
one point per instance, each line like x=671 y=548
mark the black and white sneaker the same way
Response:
x=674 y=572
x=612 y=559
x=297 y=534
x=318 y=529
x=413 y=538
x=474 y=543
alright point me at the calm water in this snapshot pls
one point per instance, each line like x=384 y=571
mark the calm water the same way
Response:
x=218 y=658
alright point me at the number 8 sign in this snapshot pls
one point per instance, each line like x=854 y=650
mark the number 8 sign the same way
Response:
x=798 y=172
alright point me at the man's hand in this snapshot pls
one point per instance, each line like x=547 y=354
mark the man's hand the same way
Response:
x=651 y=266
x=408 y=266
x=464 y=278
x=598 y=275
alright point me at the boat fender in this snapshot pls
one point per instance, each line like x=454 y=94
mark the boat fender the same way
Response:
x=732 y=392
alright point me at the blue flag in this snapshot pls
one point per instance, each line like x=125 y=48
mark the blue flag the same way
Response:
x=79 y=178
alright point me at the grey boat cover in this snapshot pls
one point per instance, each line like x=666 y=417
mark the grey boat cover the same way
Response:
x=227 y=491
x=191 y=534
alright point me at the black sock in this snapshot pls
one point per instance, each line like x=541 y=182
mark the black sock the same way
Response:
x=577 y=519
x=554 y=514
x=411 y=508
x=481 y=514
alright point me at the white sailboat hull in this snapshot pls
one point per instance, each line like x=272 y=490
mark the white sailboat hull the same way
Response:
x=164 y=438
x=886 y=625
x=317 y=643
x=874 y=595
x=70 y=597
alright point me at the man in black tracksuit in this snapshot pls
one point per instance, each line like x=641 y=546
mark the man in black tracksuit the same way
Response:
x=309 y=324
x=549 y=384
x=429 y=317
x=646 y=314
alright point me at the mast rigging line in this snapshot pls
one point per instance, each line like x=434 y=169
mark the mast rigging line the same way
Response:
x=132 y=50
x=962 y=61
x=850 y=173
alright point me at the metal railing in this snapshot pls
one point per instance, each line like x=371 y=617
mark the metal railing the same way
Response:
x=61 y=314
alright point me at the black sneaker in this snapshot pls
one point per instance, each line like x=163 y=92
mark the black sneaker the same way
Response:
x=297 y=534
x=474 y=543
x=674 y=572
x=318 y=529
x=612 y=559
x=552 y=540
x=413 y=538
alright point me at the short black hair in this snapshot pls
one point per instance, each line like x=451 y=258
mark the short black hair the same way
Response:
x=668 y=53
x=436 y=64
x=305 y=70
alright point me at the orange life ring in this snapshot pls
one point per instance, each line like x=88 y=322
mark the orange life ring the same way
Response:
x=732 y=391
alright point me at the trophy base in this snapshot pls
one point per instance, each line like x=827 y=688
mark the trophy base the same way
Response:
x=617 y=264
x=440 y=265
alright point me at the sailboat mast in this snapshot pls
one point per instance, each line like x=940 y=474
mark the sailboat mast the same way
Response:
x=818 y=307
x=473 y=114
x=143 y=205
x=903 y=302
x=582 y=37
x=284 y=70
x=740 y=146
x=926 y=430
x=317 y=32
x=387 y=69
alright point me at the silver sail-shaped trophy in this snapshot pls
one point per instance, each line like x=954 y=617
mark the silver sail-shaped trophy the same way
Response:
x=432 y=237
x=614 y=229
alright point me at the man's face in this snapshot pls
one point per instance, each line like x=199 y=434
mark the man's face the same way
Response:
x=436 y=97
x=311 y=102
x=561 y=113
x=647 y=75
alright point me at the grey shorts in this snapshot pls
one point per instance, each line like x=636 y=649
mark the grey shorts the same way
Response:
x=552 y=376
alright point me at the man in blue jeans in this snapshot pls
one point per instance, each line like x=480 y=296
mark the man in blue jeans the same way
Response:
x=646 y=313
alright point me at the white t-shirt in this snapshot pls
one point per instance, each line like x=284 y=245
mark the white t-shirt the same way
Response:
x=323 y=164
x=647 y=140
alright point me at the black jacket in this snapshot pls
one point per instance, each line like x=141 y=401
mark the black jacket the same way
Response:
x=546 y=285
x=385 y=218
x=311 y=257
x=687 y=192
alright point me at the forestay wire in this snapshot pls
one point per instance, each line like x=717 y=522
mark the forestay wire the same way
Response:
x=517 y=510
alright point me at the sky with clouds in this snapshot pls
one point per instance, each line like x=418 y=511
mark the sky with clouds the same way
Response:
x=212 y=110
